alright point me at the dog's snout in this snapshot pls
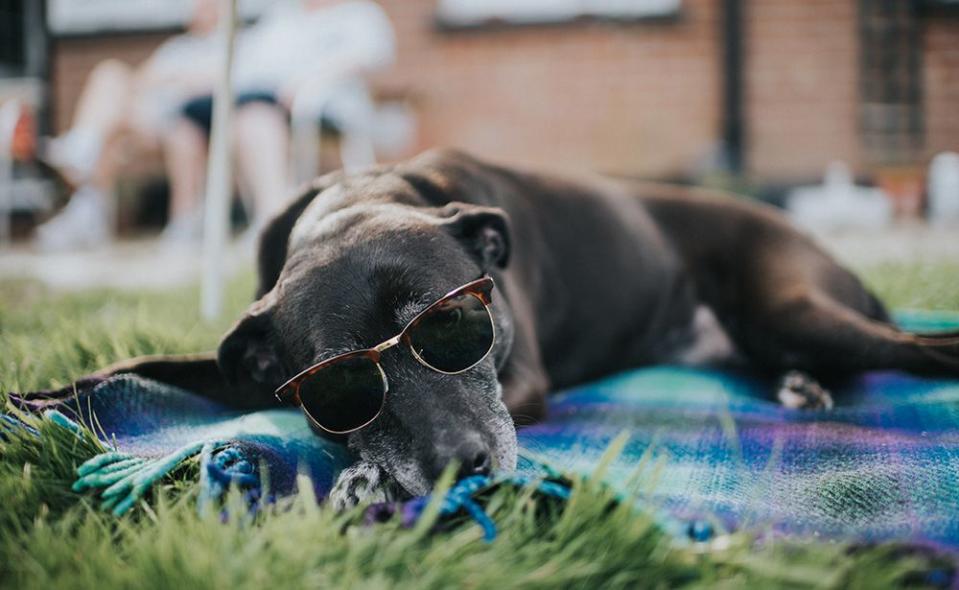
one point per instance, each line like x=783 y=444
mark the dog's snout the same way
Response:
x=472 y=456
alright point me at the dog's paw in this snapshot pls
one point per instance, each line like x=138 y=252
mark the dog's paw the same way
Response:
x=799 y=391
x=363 y=483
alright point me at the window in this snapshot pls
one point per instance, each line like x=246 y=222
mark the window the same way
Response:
x=473 y=13
x=71 y=17
x=890 y=83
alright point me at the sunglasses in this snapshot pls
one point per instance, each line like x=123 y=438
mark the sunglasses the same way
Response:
x=347 y=392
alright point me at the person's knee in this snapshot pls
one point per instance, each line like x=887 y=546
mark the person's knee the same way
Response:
x=183 y=135
x=112 y=69
x=259 y=115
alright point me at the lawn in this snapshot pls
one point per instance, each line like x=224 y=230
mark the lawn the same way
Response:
x=52 y=538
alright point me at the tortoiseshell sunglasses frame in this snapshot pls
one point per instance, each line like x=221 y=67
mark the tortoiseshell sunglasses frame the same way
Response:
x=481 y=288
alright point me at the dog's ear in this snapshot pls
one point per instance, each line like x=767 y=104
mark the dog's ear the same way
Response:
x=248 y=353
x=483 y=230
x=275 y=236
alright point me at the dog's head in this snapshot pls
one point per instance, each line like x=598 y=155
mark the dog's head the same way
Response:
x=358 y=268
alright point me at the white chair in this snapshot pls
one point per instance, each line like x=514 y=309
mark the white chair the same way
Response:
x=350 y=108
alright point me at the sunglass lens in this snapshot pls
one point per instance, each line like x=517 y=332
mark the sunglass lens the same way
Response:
x=344 y=395
x=454 y=335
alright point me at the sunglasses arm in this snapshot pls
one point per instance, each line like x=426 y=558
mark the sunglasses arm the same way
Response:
x=288 y=393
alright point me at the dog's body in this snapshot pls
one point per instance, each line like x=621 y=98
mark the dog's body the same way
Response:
x=592 y=277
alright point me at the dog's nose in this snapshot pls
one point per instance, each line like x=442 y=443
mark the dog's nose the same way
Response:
x=475 y=461
x=472 y=456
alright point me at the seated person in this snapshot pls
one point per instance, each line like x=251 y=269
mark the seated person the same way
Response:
x=345 y=39
x=167 y=102
x=123 y=109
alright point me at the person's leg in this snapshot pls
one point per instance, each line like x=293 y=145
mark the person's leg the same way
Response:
x=185 y=157
x=262 y=140
x=87 y=154
x=184 y=152
x=104 y=100
x=99 y=118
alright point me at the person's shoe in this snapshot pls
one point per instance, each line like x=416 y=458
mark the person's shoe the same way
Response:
x=183 y=230
x=84 y=223
x=73 y=155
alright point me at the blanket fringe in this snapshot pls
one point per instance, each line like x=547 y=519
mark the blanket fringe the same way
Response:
x=121 y=479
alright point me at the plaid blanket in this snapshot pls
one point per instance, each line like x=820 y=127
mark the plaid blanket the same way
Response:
x=703 y=444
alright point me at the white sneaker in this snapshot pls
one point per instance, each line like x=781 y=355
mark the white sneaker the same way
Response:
x=84 y=223
x=183 y=230
x=74 y=154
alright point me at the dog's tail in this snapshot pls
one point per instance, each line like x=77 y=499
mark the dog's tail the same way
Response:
x=945 y=335
x=932 y=352
x=939 y=351
x=882 y=346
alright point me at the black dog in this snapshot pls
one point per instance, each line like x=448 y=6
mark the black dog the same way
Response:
x=592 y=276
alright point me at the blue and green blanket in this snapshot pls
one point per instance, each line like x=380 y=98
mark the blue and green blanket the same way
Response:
x=710 y=445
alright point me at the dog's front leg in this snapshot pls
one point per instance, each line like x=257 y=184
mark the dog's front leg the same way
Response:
x=363 y=483
x=800 y=391
x=197 y=373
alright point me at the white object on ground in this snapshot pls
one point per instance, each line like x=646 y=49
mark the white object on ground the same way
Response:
x=839 y=203
x=944 y=188
x=84 y=223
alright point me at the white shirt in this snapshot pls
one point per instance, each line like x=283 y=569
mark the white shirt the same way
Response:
x=183 y=67
x=291 y=43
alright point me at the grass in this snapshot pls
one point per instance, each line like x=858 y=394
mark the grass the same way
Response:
x=52 y=538
x=929 y=285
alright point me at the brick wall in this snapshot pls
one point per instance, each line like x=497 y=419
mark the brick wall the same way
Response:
x=630 y=98
x=637 y=98
x=801 y=96
x=941 y=84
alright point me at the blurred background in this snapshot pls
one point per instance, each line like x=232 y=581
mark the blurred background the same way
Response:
x=845 y=112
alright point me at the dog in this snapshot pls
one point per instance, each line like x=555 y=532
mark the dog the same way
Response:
x=593 y=276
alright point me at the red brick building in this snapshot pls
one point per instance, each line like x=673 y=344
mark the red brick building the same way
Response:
x=785 y=85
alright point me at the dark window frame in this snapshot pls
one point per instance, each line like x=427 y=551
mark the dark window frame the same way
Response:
x=13 y=33
x=891 y=121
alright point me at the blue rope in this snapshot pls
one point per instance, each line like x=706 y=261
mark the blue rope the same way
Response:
x=461 y=498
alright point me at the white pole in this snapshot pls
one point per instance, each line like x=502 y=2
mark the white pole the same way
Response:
x=219 y=178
